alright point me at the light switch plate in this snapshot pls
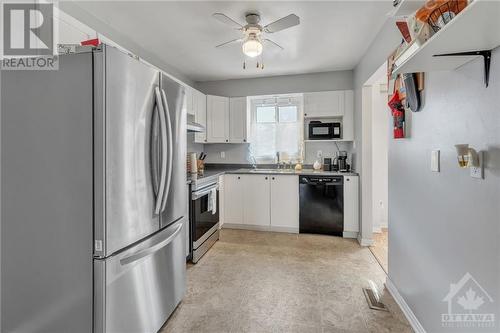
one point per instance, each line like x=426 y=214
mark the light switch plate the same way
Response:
x=223 y=154
x=478 y=172
x=435 y=161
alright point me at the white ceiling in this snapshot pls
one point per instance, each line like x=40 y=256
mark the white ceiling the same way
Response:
x=332 y=35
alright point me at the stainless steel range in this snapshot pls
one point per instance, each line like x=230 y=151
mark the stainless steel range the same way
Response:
x=204 y=216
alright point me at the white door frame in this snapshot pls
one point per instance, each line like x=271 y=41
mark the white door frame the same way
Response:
x=366 y=238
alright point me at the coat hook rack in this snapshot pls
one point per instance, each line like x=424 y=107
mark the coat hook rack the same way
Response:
x=486 y=54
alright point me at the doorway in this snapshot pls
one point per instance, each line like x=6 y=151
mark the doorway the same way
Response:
x=376 y=127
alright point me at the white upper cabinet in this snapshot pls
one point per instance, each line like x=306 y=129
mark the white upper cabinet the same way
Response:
x=332 y=104
x=324 y=104
x=189 y=104
x=227 y=119
x=217 y=119
x=238 y=120
x=200 y=115
x=285 y=203
x=348 y=118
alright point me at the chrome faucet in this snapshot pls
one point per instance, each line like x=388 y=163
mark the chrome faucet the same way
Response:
x=254 y=162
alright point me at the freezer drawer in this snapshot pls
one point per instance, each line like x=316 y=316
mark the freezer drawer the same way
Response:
x=137 y=290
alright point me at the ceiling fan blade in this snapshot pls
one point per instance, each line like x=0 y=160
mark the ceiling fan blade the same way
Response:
x=230 y=42
x=227 y=20
x=274 y=43
x=283 y=23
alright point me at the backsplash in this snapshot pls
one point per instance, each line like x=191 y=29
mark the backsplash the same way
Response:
x=238 y=153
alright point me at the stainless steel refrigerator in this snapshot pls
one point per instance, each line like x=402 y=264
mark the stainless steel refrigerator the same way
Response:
x=93 y=195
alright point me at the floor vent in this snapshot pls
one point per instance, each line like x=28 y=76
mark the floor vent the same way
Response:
x=373 y=301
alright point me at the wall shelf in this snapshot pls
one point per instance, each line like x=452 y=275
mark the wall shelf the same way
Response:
x=477 y=27
x=406 y=8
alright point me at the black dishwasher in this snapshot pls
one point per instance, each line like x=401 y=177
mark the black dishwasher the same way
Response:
x=321 y=205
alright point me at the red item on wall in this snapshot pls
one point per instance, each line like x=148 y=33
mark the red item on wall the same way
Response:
x=405 y=31
x=91 y=42
x=398 y=115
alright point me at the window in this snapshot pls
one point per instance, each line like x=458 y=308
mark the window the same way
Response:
x=265 y=114
x=276 y=127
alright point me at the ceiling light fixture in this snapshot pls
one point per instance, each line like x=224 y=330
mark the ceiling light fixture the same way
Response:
x=252 y=47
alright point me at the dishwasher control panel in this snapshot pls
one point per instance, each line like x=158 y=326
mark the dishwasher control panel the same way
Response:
x=321 y=180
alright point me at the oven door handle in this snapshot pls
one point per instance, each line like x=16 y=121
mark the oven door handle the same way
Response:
x=198 y=194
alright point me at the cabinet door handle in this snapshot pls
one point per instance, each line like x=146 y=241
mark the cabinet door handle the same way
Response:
x=266 y=178
x=244 y=140
x=239 y=177
x=347 y=179
x=272 y=178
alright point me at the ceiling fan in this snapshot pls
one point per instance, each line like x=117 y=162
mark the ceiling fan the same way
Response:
x=253 y=32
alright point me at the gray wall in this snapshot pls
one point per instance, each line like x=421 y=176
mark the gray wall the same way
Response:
x=442 y=225
x=284 y=84
x=238 y=153
x=119 y=38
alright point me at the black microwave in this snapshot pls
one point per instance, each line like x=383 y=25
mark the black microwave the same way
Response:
x=322 y=131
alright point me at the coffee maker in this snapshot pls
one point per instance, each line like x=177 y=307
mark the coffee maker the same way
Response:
x=340 y=162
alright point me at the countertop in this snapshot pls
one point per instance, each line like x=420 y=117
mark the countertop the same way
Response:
x=212 y=172
x=292 y=172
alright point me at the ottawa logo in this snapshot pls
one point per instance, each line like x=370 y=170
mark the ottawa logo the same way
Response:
x=467 y=302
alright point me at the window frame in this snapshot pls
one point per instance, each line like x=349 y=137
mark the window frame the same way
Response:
x=277 y=101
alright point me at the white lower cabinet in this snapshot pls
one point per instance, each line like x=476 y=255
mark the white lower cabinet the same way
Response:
x=351 y=206
x=221 y=201
x=233 y=199
x=285 y=203
x=264 y=202
x=256 y=206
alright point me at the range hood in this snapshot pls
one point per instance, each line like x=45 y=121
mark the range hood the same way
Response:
x=193 y=127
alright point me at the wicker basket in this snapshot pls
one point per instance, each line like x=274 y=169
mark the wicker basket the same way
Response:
x=438 y=13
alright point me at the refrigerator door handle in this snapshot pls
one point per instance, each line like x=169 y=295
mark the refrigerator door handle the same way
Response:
x=170 y=150
x=144 y=253
x=154 y=151
x=163 y=159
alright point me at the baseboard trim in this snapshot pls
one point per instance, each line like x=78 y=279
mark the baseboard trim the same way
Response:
x=261 y=228
x=350 y=234
x=284 y=229
x=405 y=308
x=377 y=230
x=364 y=241
x=245 y=227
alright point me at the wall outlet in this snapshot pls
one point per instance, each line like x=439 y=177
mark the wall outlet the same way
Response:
x=435 y=160
x=478 y=172
x=223 y=154
x=319 y=154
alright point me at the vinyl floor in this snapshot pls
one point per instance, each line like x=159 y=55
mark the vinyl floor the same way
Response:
x=262 y=282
